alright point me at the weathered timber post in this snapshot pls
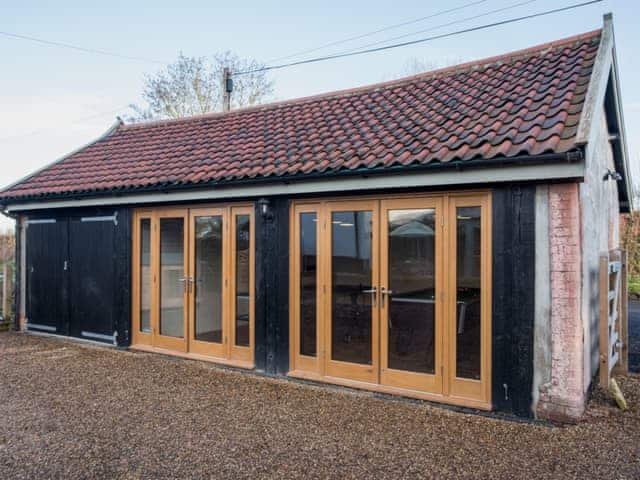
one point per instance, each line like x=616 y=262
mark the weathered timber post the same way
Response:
x=604 y=321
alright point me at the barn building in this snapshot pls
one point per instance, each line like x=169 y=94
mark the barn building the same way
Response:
x=434 y=237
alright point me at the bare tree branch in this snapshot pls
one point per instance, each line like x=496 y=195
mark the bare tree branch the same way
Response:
x=192 y=86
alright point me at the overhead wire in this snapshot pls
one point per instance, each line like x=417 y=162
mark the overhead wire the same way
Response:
x=362 y=50
x=418 y=41
x=375 y=32
x=443 y=25
x=78 y=48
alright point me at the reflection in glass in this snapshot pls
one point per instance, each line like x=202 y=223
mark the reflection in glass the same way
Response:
x=242 y=260
x=351 y=278
x=208 y=279
x=171 y=277
x=468 y=293
x=308 y=283
x=412 y=280
x=145 y=275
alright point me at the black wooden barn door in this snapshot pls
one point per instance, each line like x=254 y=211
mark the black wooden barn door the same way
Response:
x=92 y=277
x=47 y=265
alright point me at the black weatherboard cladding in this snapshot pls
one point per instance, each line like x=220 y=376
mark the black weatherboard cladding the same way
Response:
x=272 y=287
x=18 y=278
x=513 y=298
x=47 y=268
x=91 y=266
x=92 y=294
x=122 y=269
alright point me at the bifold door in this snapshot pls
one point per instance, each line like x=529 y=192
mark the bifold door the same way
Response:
x=351 y=306
x=193 y=281
x=394 y=293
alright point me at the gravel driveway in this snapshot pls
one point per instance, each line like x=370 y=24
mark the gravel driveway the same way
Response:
x=77 y=411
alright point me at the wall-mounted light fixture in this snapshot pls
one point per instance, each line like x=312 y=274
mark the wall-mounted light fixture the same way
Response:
x=263 y=205
x=612 y=175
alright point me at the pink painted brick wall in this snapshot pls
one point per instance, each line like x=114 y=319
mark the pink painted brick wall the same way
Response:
x=563 y=398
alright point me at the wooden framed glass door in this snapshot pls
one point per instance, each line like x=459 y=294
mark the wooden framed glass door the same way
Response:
x=393 y=294
x=208 y=281
x=351 y=300
x=193 y=282
x=411 y=288
x=242 y=272
x=306 y=284
x=469 y=297
x=170 y=330
x=144 y=278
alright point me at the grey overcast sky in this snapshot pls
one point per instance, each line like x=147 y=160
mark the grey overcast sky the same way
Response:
x=53 y=100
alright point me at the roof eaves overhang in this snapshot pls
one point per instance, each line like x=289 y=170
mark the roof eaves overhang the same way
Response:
x=545 y=167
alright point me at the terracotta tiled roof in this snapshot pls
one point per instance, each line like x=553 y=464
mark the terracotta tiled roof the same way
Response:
x=524 y=103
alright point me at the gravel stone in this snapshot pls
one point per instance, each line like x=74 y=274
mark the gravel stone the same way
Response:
x=71 y=410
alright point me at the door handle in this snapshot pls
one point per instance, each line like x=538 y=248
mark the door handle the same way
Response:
x=374 y=294
x=183 y=281
x=383 y=292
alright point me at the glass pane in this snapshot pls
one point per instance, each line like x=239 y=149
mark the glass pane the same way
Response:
x=308 y=283
x=350 y=280
x=171 y=276
x=145 y=275
x=242 y=260
x=468 y=293
x=208 y=279
x=412 y=281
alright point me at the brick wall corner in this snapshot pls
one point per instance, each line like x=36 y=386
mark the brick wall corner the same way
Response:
x=562 y=399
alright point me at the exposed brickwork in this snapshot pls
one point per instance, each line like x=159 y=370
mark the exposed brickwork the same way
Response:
x=563 y=398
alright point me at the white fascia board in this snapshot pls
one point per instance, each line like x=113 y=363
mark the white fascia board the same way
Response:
x=475 y=176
